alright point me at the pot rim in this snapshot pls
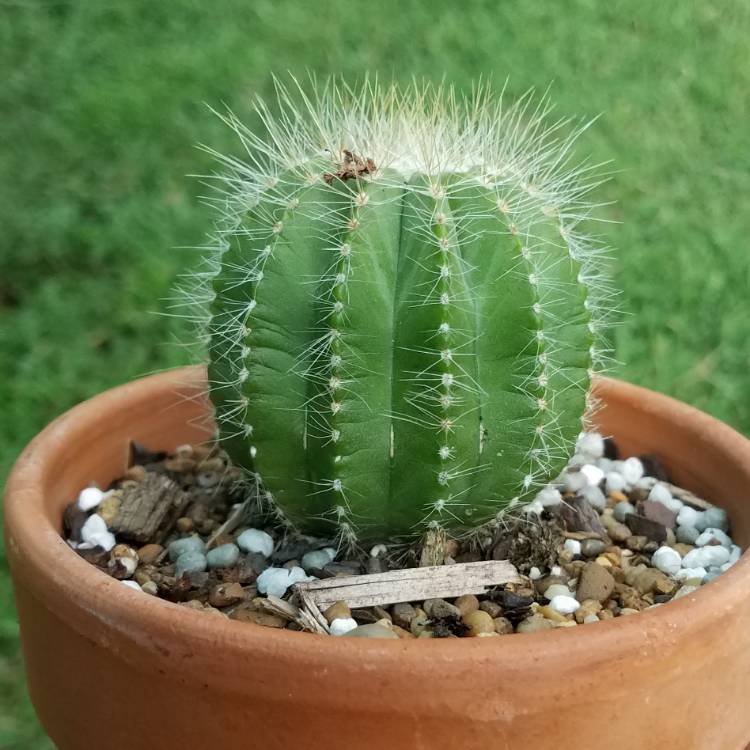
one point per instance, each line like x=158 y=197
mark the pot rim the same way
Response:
x=58 y=576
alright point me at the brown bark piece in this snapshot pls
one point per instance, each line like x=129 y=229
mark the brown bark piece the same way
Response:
x=148 y=509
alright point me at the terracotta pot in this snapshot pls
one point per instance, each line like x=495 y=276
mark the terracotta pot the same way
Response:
x=112 y=668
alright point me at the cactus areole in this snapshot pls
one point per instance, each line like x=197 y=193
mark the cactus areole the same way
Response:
x=404 y=316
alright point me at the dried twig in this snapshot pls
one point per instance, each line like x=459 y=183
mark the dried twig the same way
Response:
x=410 y=584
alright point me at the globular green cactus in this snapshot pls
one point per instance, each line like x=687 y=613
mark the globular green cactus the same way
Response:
x=404 y=315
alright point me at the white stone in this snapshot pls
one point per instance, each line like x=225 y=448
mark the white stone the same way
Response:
x=95 y=532
x=255 y=540
x=735 y=553
x=593 y=474
x=646 y=483
x=709 y=535
x=565 y=605
x=574 y=481
x=725 y=567
x=106 y=540
x=318 y=558
x=660 y=494
x=534 y=508
x=706 y=557
x=687 y=573
x=557 y=589
x=716 y=556
x=713 y=518
x=377 y=551
x=595 y=497
x=276 y=581
x=615 y=481
x=94 y=524
x=535 y=574
x=133 y=585
x=549 y=496
x=605 y=464
x=573 y=546
x=591 y=444
x=590 y=618
x=688 y=516
x=667 y=560
x=342 y=625
x=90 y=498
x=556 y=570
x=632 y=470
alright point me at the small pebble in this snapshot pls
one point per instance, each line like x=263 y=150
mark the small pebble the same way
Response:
x=632 y=469
x=595 y=497
x=549 y=497
x=622 y=510
x=275 y=581
x=595 y=582
x=557 y=589
x=377 y=551
x=337 y=611
x=133 y=585
x=534 y=623
x=123 y=561
x=687 y=534
x=478 y=622
x=95 y=532
x=573 y=546
x=149 y=553
x=713 y=518
x=590 y=444
x=189 y=544
x=685 y=591
x=466 y=604
x=402 y=614
x=255 y=540
x=667 y=560
x=593 y=474
x=564 y=604
x=150 y=588
x=706 y=557
x=343 y=625
x=90 y=498
x=690 y=573
x=688 y=516
x=190 y=562
x=615 y=482
x=439 y=608
x=592 y=547
x=226 y=594
x=535 y=574
x=317 y=559
x=371 y=630
x=503 y=626
x=574 y=481
x=225 y=556
x=711 y=536
x=660 y=494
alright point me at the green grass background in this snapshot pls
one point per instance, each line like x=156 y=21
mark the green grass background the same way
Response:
x=101 y=103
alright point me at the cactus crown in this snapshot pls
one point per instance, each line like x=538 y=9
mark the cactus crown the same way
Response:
x=403 y=316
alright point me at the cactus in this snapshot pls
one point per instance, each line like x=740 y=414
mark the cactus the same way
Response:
x=404 y=316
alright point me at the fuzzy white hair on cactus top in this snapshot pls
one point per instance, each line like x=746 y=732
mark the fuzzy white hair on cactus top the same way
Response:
x=367 y=213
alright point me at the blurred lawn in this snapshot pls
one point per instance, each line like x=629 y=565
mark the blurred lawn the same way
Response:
x=101 y=104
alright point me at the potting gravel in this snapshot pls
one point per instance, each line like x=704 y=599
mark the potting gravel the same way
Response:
x=608 y=538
